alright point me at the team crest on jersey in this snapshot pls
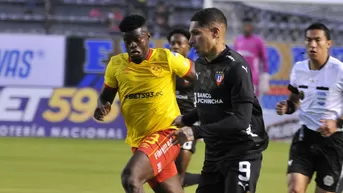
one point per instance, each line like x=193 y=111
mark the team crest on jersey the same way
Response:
x=301 y=95
x=126 y=70
x=219 y=77
x=156 y=70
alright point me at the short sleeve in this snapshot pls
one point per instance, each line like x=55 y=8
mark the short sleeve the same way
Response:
x=293 y=86
x=178 y=64
x=240 y=82
x=340 y=80
x=292 y=78
x=110 y=79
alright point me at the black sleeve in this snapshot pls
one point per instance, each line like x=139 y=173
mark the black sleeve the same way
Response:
x=238 y=80
x=293 y=89
x=191 y=117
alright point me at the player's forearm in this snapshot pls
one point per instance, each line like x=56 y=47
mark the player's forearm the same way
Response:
x=239 y=120
x=107 y=94
x=191 y=117
x=293 y=101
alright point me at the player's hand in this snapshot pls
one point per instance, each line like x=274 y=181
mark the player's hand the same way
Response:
x=281 y=107
x=182 y=135
x=328 y=127
x=178 y=122
x=101 y=111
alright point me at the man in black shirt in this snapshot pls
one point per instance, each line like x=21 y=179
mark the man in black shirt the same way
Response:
x=178 y=40
x=231 y=118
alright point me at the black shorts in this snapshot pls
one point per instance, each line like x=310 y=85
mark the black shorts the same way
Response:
x=310 y=152
x=237 y=177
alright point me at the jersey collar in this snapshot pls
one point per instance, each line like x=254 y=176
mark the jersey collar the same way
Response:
x=221 y=56
x=327 y=60
x=147 y=57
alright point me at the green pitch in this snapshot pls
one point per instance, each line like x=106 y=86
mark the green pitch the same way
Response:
x=94 y=166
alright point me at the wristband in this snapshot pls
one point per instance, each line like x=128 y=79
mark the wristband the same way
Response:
x=291 y=108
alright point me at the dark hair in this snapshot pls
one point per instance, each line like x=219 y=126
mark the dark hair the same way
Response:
x=208 y=16
x=132 y=22
x=319 y=26
x=247 y=20
x=179 y=31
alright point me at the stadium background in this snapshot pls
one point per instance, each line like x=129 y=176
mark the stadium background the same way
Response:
x=52 y=57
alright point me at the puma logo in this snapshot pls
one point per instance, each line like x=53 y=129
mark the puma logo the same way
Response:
x=244 y=186
x=245 y=68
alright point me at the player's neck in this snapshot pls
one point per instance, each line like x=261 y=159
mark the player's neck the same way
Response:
x=318 y=64
x=215 y=52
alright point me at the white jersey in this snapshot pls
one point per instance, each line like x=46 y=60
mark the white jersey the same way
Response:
x=321 y=91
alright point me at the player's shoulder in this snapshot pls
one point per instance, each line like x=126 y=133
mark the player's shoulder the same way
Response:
x=160 y=55
x=163 y=53
x=119 y=59
x=335 y=63
x=301 y=65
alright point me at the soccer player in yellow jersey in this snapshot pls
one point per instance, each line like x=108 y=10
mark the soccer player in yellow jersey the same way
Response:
x=145 y=81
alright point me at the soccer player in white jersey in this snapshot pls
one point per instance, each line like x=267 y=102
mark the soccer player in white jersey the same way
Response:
x=316 y=86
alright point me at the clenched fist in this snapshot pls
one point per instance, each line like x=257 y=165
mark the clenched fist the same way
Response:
x=281 y=107
x=101 y=111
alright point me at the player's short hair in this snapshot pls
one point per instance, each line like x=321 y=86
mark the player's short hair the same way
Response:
x=132 y=22
x=247 y=20
x=208 y=16
x=179 y=31
x=319 y=26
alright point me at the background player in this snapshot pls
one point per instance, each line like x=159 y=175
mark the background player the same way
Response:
x=316 y=87
x=179 y=42
x=145 y=81
x=231 y=118
x=253 y=49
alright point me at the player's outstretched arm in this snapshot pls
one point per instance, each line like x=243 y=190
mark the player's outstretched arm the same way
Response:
x=238 y=81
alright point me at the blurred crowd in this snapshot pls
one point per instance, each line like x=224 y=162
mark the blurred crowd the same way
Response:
x=162 y=15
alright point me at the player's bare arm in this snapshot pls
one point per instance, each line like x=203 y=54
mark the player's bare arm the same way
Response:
x=105 y=101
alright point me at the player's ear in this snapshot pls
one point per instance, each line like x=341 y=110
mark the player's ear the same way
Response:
x=149 y=36
x=329 y=43
x=215 y=32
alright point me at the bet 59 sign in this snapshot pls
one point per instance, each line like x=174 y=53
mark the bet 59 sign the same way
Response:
x=59 y=112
